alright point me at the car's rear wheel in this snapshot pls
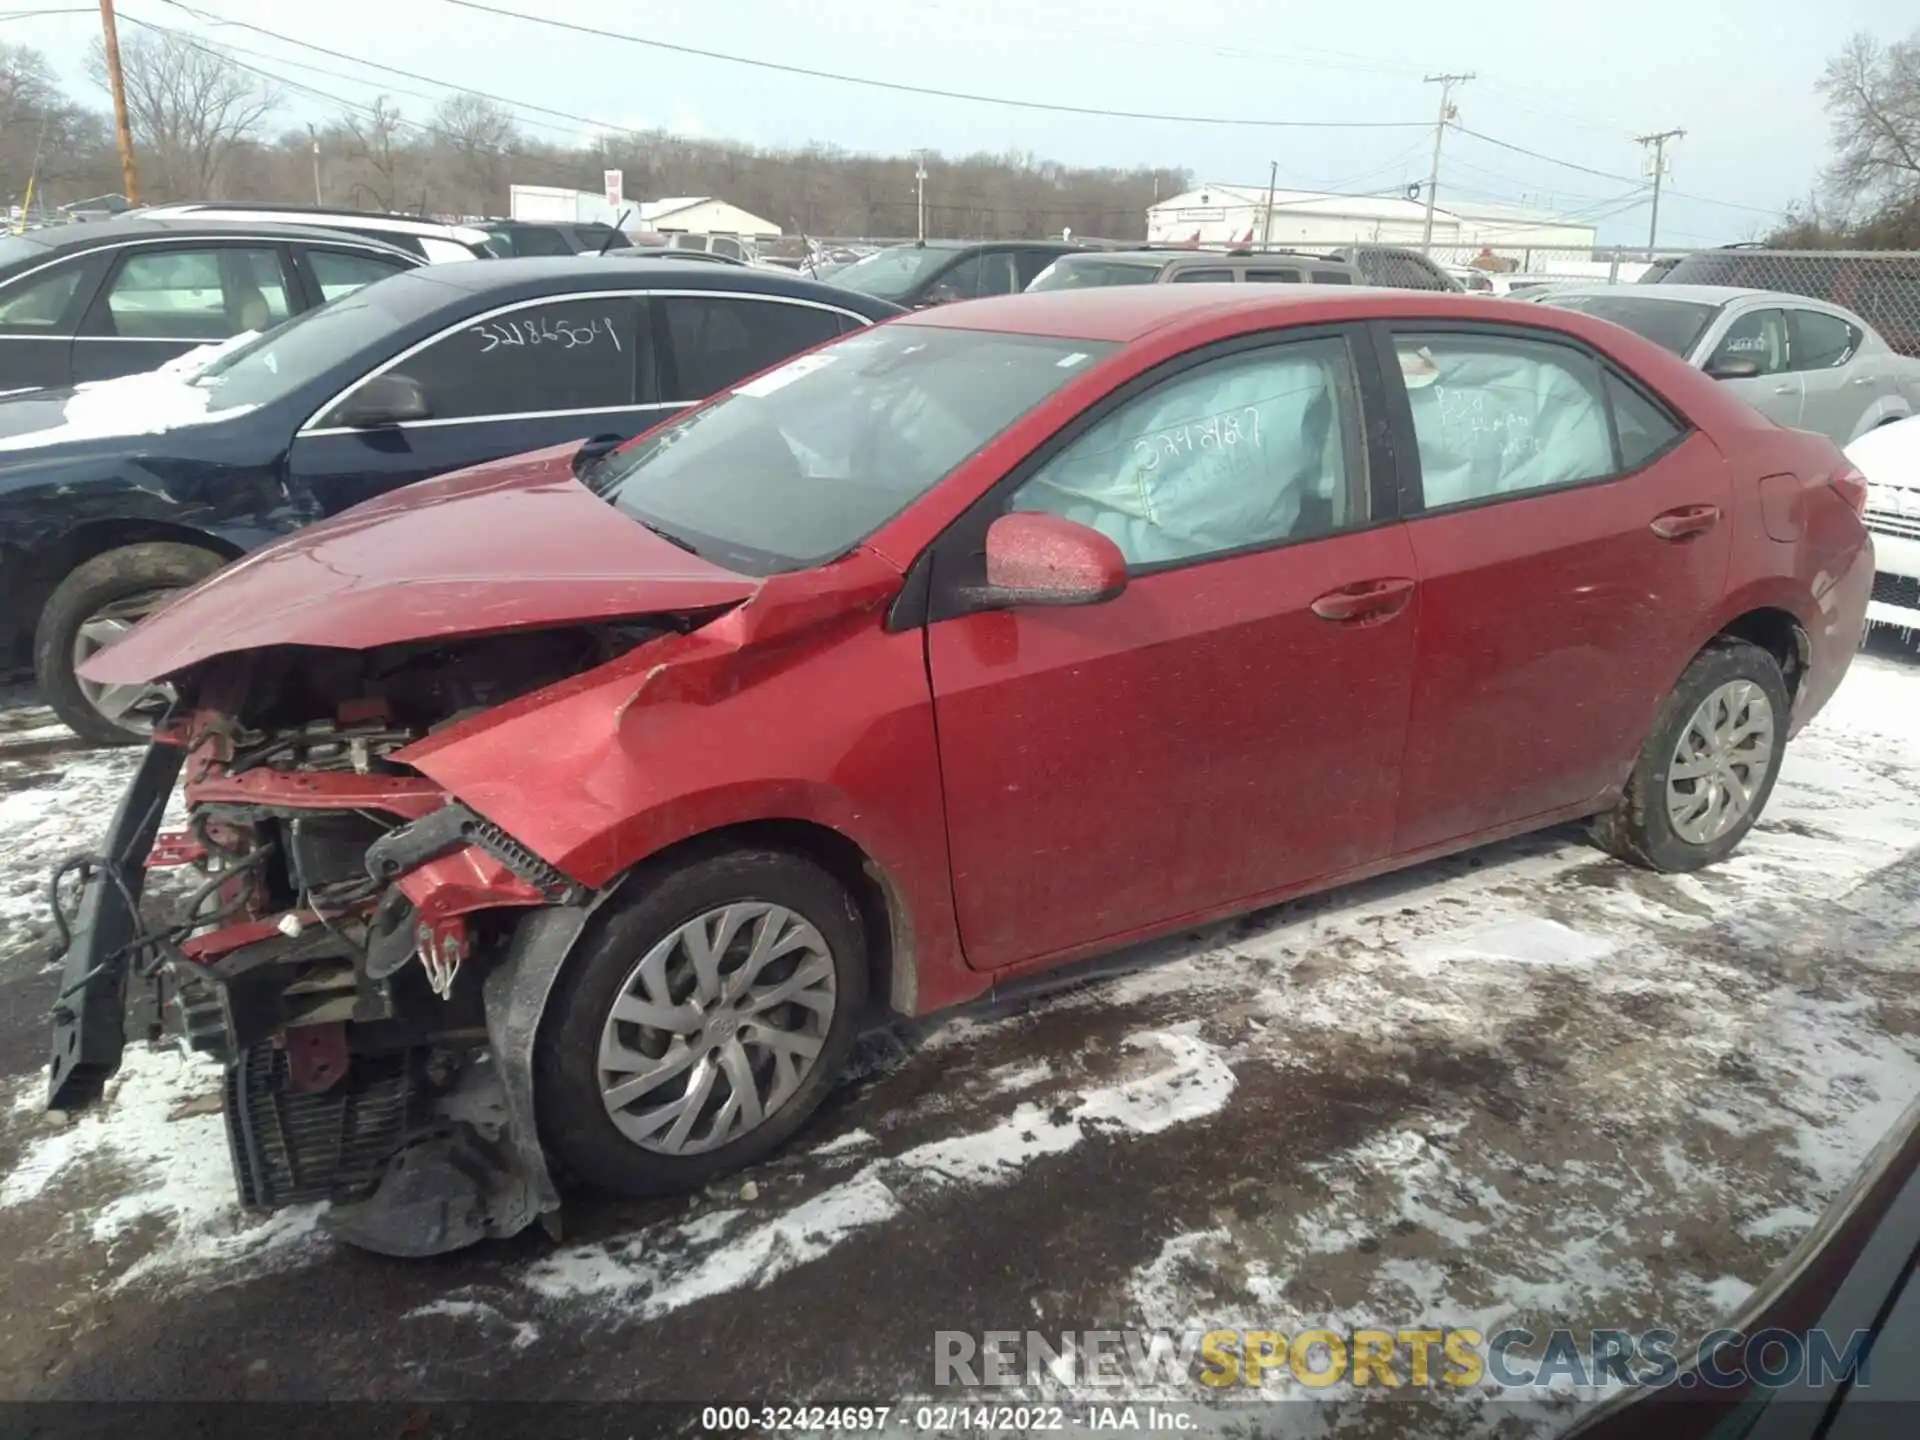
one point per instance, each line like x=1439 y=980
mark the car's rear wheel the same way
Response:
x=96 y=604
x=1707 y=768
x=703 y=1022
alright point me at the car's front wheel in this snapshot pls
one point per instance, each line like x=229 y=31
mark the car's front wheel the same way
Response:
x=703 y=1022
x=96 y=603
x=1706 y=771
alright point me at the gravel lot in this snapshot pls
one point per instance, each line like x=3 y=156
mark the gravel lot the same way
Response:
x=1527 y=1085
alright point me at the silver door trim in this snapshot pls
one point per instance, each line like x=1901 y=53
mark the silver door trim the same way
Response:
x=492 y=419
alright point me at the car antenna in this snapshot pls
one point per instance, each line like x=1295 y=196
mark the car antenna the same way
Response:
x=619 y=228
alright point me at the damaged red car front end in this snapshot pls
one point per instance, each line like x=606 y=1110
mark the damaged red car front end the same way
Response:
x=364 y=947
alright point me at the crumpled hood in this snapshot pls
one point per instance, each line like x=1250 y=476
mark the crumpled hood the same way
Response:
x=511 y=545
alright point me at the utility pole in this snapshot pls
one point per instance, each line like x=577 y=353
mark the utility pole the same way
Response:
x=1659 y=144
x=129 y=177
x=1266 y=230
x=316 y=163
x=1446 y=84
x=920 y=196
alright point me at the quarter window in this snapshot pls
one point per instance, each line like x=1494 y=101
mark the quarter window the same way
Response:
x=1644 y=429
x=565 y=356
x=1758 y=335
x=1252 y=449
x=1822 y=341
x=39 y=305
x=719 y=342
x=340 y=272
x=1496 y=416
x=196 y=294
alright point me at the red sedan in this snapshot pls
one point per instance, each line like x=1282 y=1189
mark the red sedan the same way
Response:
x=625 y=790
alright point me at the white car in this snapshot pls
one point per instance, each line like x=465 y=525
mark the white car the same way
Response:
x=1890 y=459
x=1801 y=362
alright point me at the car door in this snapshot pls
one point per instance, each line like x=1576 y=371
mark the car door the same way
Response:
x=709 y=341
x=535 y=373
x=159 y=301
x=1231 y=724
x=1763 y=337
x=39 y=313
x=1568 y=538
x=1840 y=379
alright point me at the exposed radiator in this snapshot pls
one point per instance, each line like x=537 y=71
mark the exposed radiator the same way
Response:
x=290 y=1146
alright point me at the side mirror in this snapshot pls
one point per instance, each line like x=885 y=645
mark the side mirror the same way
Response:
x=1038 y=559
x=1733 y=367
x=384 y=400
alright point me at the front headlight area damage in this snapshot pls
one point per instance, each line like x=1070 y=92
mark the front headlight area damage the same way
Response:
x=364 y=954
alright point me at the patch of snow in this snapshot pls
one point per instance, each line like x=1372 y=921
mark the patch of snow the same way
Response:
x=525 y=1333
x=842 y=1144
x=1521 y=940
x=1020 y=1075
x=172 y=1180
x=147 y=404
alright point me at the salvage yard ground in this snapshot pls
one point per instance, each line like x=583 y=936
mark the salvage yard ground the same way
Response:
x=1529 y=1085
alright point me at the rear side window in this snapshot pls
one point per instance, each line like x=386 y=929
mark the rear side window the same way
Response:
x=1643 y=428
x=1821 y=341
x=1495 y=415
x=564 y=356
x=341 y=272
x=38 y=305
x=719 y=341
x=1203 y=277
x=194 y=295
x=1275 y=277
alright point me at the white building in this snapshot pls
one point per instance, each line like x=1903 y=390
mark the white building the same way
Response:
x=1238 y=215
x=701 y=215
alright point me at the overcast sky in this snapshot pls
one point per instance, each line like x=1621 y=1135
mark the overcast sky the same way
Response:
x=1572 y=81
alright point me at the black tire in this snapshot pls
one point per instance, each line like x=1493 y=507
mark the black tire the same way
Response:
x=99 y=582
x=574 y=1124
x=1638 y=828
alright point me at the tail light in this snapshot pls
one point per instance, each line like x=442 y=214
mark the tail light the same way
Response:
x=1851 y=486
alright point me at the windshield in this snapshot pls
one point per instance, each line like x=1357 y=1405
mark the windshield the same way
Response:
x=795 y=467
x=1078 y=274
x=892 y=273
x=282 y=360
x=1671 y=324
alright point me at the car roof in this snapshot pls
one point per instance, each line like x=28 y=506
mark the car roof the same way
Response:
x=529 y=276
x=1126 y=313
x=1686 y=294
x=90 y=235
x=321 y=217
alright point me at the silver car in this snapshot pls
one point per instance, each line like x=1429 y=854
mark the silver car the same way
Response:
x=1802 y=362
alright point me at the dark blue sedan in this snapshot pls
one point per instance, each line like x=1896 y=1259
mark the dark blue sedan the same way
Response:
x=113 y=496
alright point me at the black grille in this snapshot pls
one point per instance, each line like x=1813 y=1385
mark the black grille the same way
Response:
x=1901 y=590
x=290 y=1146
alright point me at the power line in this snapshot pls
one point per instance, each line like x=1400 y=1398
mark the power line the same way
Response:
x=1611 y=175
x=901 y=87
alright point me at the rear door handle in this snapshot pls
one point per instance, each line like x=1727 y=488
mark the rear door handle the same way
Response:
x=1685 y=523
x=1783 y=389
x=1366 y=600
x=1863 y=380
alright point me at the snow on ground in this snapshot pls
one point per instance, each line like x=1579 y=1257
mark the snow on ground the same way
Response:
x=1529 y=1086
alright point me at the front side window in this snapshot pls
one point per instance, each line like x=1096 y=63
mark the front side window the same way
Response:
x=1495 y=416
x=721 y=340
x=1822 y=341
x=196 y=295
x=1252 y=449
x=562 y=356
x=1758 y=335
x=341 y=272
x=1278 y=276
x=37 y=305
x=964 y=281
x=796 y=466
x=891 y=274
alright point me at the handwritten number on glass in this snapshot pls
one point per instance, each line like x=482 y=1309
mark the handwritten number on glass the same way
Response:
x=546 y=330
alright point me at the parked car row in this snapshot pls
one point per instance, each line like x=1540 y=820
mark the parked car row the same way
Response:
x=625 y=780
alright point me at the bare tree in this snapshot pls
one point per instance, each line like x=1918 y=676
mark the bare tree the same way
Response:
x=1872 y=93
x=42 y=133
x=189 y=106
x=374 y=142
x=478 y=136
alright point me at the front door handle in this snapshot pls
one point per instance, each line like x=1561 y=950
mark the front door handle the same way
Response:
x=1367 y=600
x=1783 y=389
x=1686 y=523
x=1863 y=380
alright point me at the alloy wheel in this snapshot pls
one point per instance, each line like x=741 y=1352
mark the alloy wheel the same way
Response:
x=717 y=1027
x=134 y=708
x=1720 y=762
